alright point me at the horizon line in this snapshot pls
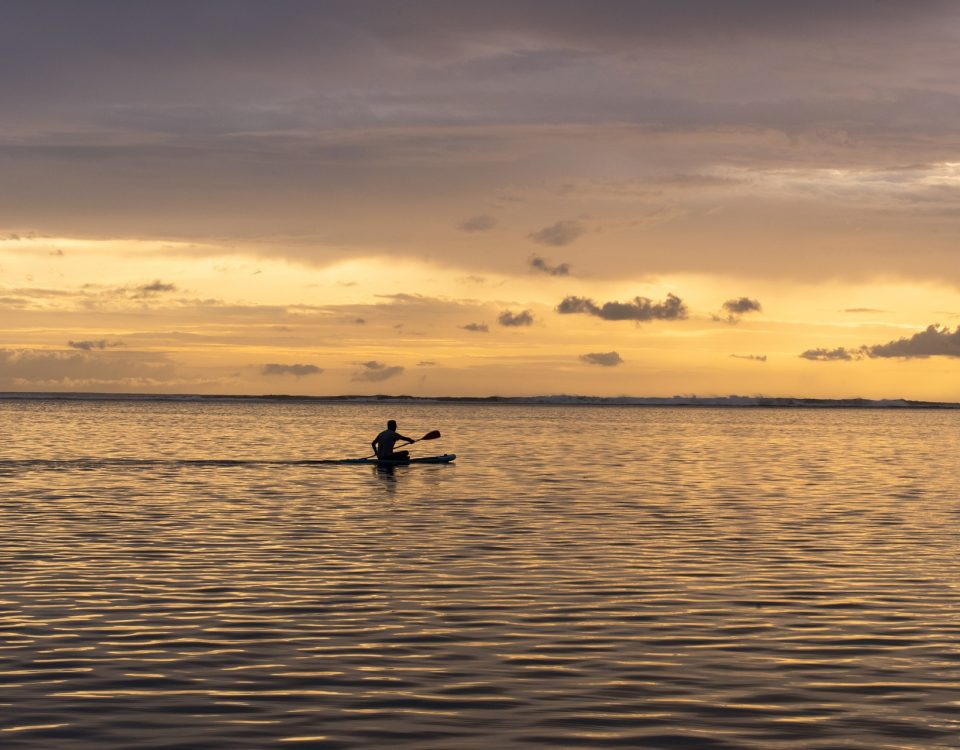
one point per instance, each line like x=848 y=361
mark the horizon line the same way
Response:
x=731 y=400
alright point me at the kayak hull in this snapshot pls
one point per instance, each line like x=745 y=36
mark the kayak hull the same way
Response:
x=444 y=459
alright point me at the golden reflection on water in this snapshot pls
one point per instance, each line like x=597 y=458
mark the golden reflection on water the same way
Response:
x=704 y=578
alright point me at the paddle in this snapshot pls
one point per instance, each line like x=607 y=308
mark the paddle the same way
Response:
x=432 y=435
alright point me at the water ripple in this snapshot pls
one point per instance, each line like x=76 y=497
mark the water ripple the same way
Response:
x=182 y=576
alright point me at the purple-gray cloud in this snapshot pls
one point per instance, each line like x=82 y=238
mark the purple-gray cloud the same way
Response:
x=515 y=320
x=80 y=369
x=297 y=370
x=734 y=309
x=604 y=359
x=153 y=289
x=476 y=327
x=559 y=234
x=741 y=306
x=752 y=357
x=933 y=341
x=375 y=372
x=94 y=344
x=640 y=309
x=840 y=354
x=481 y=223
x=544 y=266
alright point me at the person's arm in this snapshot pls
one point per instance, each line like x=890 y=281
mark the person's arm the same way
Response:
x=376 y=448
x=404 y=437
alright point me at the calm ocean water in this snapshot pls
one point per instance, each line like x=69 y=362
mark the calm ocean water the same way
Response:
x=580 y=577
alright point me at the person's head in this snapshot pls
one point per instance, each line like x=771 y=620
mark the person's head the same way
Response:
x=392 y=424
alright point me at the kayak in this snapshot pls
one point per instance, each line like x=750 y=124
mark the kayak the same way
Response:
x=444 y=459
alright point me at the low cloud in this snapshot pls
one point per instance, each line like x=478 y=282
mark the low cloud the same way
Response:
x=88 y=346
x=543 y=265
x=752 y=357
x=426 y=363
x=734 y=309
x=296 y=370
x=604 y=359
x=864 y=310
x=476 y=327
x=511 y=319
x=559 y=234
x=481 y=223
x=934 y=341
x=840 y=354
x=80 y=369
x=375 y=372
x=640 y=309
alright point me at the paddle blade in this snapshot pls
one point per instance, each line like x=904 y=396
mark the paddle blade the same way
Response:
x=431 y=435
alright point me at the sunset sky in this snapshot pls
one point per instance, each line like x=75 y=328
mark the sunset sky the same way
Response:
x=646 y=198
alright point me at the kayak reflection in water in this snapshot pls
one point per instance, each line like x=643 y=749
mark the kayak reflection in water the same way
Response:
x=383 y=444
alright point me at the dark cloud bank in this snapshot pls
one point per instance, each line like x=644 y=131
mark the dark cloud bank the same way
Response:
x=934 y=341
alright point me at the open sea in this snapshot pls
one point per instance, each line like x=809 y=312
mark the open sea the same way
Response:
x=670 y=578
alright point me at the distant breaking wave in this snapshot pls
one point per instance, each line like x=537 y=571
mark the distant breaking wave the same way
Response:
x=553 y=400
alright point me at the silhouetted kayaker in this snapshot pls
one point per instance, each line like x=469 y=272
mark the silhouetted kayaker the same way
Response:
x=384 y=442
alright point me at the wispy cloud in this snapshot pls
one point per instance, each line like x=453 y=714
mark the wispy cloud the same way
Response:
x=476 y=327
x=604 y=359
x=559 y=234
x=752 y=357
x=481 y=223
x=640 y=309
x=152 y=289
x=91 y=345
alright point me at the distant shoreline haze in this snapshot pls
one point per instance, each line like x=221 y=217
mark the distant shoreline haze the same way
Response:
x=551 y=400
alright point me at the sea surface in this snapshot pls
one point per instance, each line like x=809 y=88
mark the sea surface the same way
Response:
x=172 y=577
